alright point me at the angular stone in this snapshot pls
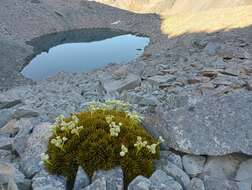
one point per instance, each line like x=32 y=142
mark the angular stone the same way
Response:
x=25 y=128
x=10 y=128
x=45 y=181
x=120 y=73
x=212 y=48
x=9 y=104
x=36 y=145
x=99 y=183
x=5 y=155
x=175 y=172
x=6 y=142
x=7 y=172
x=249 y=85
x=114 y=178
x=140 y=183
x=11 y=176
x=201 y=127
x=212 y=183
x=23 y=113
x=244 y=173
x=196 y=184
x=161 y=181
x=233 y=70
x=82 y=179
x=130 y=82
x=161 y=79
x=5 y=116
x=233 y=52
x=193 y=165
x=222 y=167
x=172 y=157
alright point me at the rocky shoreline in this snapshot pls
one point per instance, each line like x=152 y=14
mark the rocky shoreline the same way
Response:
x=195 y=90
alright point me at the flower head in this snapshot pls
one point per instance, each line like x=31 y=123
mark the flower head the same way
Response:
x=124 y=151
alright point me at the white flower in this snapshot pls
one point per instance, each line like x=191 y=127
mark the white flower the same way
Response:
x=76 y=130
x=134 y=116
x=161 y=140
x=152 y=148
x=122 y=154
x=109 y=118
x=64 y=139
x=124 y=150
x=58 y=142
x=44 y=157
x=140 y=144
x=75 y=119
x=114 y=128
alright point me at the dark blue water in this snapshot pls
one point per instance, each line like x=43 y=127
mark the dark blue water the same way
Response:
x=85 y=56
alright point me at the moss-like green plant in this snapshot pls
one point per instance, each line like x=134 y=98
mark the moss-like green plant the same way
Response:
x=102 y=137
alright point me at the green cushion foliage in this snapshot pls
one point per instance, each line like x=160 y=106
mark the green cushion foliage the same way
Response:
x=91 y=139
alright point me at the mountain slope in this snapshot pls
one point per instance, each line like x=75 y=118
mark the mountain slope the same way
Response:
x=186 y=16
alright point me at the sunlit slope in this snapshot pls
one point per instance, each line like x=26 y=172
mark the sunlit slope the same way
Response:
x=207 y=21
x=183 y=6
x=182 y=16
x=174 y=6
x=141 y=6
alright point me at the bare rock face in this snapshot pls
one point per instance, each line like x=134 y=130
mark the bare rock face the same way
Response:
x=212 y=126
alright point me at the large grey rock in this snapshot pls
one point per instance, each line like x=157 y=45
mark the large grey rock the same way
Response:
x=82 y=179
x=175 y=172
x=99 y=183
x=36 y=145
x=45 y=181
x=114 y=178
x=196 y=184
x=130 y=82
x=140 y=183
x=193 y=165
x=161 y=181
x=202 y=127
x=222 y=167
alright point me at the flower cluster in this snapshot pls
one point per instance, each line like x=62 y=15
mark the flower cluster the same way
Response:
x=124 y=151
x=134 y=116
x=59 y=142
x=114 y=128
x=76 y=130
x=44 y=158
x=109 y=104
x=152 y=148
x=140 y=144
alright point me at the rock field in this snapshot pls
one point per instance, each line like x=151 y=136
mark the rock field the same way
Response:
x=195 y=90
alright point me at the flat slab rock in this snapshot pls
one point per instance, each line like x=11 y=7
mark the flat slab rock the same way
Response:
x=210 y=126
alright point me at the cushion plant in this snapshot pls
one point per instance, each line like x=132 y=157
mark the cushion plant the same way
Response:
x=103 y=136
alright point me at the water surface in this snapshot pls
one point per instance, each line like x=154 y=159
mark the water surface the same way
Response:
x=80 y=57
